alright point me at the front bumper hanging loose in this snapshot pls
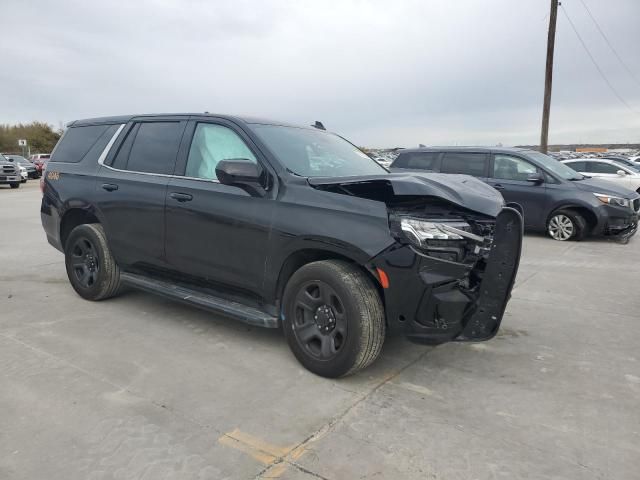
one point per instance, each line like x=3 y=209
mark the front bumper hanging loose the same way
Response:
x=434 y=301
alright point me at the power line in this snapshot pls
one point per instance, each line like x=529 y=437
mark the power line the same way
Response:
x=626 y=67
x=600 y=71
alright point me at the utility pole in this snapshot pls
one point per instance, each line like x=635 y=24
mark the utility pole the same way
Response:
x=548 y=76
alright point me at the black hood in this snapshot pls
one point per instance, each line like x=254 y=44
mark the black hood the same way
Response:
x=462 y=190
x=596 y=185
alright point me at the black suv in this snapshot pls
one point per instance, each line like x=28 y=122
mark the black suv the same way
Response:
x=552 y=197
x=277 y=225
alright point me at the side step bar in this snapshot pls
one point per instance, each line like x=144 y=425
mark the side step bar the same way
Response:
x=249 y=315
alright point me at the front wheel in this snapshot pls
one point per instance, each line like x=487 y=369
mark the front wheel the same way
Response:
x=333 y=318
x=15 y=185
x=91 y=268
x=566 y=225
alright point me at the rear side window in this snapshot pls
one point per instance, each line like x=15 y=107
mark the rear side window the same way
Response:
x=468 y=163
x=417 y=160
x=78 y=141
x=150 y=147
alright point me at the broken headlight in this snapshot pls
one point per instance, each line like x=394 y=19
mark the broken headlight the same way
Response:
x=448 y=240
x=421 y=231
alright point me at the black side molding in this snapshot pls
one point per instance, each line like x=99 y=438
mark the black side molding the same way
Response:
x=249 y=315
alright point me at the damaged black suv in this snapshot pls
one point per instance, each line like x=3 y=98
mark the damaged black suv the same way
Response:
x=278 y=225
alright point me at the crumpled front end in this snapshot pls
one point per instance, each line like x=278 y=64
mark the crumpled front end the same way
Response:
x=449 y=276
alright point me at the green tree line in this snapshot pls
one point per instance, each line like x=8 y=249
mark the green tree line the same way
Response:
x=41 y=137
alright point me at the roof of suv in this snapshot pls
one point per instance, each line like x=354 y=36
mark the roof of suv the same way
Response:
x=467 y=149
x=127 y=118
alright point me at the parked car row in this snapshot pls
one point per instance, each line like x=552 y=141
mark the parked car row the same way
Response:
x=553 y=197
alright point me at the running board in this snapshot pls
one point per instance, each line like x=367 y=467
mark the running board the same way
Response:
x=249 y=315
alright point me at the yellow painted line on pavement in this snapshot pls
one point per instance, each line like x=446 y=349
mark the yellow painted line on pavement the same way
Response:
x=262 y=451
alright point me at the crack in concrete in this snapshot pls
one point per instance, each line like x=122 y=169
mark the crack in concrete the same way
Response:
x=327 y=428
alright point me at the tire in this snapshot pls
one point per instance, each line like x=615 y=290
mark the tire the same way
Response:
x=566 y=225
x=333 y=318
x=92 y=270
x=15 y=185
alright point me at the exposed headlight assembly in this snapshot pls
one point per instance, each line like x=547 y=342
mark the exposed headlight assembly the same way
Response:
x=421 y=231
x=610 y=200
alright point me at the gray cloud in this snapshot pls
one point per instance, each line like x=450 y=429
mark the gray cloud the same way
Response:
x=382 y=73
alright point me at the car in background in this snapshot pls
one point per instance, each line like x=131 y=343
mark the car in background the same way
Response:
x=23 y=174
x=32 y=172
x=40 y=161
x=552 y=197
x=9 y=173
x=608 y=170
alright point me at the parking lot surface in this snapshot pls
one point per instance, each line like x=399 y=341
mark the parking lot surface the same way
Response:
x=139 y=387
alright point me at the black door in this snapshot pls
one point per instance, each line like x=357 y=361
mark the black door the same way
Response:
x=217 y=234
x=131 y=191
x=509 y=176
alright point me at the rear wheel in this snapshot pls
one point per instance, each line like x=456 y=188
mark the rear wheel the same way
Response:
x=566 y=225
x=333 y=318
x=91 y=269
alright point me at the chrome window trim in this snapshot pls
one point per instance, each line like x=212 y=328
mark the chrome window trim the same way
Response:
x=107 y=149
x=105 y=152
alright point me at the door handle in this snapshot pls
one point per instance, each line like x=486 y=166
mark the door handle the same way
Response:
x=181 y=197
x=109 y=187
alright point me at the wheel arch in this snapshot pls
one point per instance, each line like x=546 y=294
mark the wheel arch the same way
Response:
x=73 y=217
x=304 y=256
x=586 y=212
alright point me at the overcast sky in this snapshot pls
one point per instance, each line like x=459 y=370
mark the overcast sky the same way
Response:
x=382 y=73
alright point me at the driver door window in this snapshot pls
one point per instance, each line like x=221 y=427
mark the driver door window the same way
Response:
x=506 y=167
x=211 y=144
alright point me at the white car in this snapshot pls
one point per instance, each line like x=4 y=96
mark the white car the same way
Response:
x=23 y=174
x=608 y=170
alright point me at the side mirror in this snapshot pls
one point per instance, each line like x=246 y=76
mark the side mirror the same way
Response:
x=243 y=173
x=622 y=173
x=535 y=177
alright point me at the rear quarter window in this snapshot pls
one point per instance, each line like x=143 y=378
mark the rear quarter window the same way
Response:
x=80 y=142
x=466 y=163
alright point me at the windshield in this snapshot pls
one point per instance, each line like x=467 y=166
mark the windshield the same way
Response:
x=316 y=153
x=555 y=167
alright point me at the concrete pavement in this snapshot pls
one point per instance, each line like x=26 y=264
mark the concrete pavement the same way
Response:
x=139 y=387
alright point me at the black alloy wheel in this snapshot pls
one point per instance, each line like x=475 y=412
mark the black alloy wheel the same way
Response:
x=91 y=268
x=333 y=317
x=85 y=262
x=319 y=323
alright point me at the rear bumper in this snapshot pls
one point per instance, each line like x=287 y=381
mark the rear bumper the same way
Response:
x=433 y=301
